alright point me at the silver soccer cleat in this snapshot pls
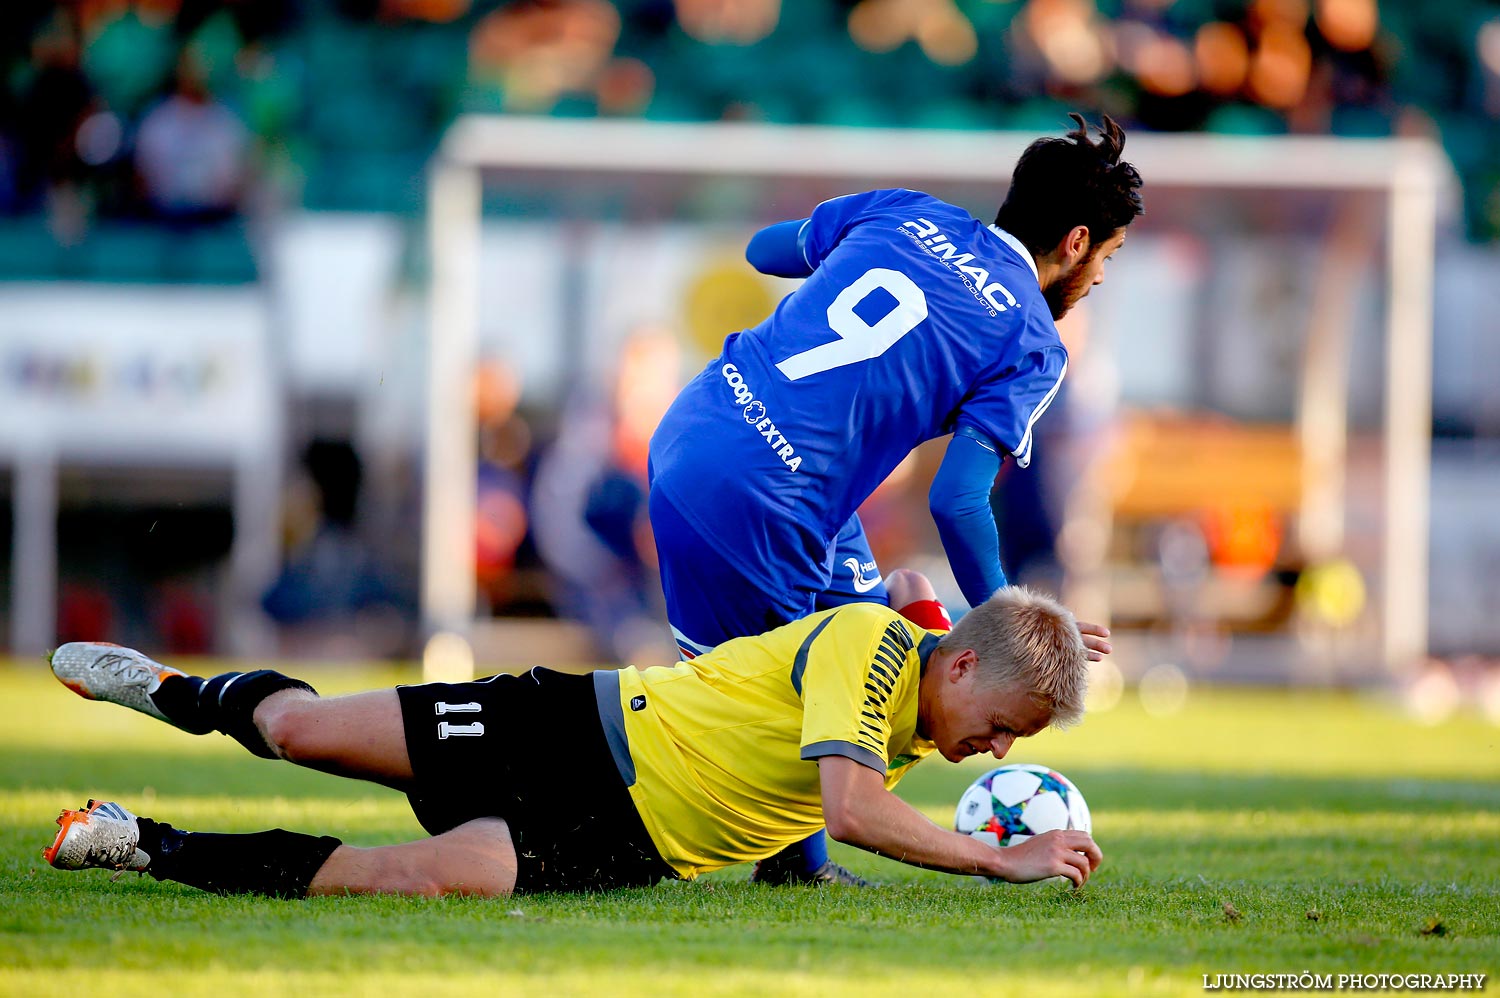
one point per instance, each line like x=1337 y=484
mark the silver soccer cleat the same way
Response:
x=101 y=836
x=112 y=673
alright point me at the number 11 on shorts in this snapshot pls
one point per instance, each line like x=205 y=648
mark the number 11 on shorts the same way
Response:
x=447 y=729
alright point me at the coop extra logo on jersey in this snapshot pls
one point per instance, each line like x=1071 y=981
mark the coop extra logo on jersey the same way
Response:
x=755 y=415
x=976 y=279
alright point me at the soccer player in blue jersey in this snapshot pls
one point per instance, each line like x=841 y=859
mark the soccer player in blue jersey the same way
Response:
x=915 y=320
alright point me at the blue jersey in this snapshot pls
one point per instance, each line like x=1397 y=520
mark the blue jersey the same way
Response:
x=917 y=319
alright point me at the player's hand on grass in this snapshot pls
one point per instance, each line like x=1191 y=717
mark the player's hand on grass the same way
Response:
x=1094 y=636
x=1059 y=853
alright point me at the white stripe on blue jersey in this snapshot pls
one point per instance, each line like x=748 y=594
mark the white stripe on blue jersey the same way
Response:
x=1023 y=450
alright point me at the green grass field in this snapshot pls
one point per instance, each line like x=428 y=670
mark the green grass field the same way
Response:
x=1254 y=832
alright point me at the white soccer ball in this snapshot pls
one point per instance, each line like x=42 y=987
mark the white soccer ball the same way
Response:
x=1011 y=804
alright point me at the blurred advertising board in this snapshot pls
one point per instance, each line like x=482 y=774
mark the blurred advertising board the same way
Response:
x=124 y=374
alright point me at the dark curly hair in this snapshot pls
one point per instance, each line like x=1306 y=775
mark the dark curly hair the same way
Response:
x=1062 y=183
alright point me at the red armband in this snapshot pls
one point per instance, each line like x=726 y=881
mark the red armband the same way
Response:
x=928 y=613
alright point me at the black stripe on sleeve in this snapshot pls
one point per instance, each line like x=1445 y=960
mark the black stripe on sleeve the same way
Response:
x=799 y=664
x=886 y=665
x=890 y=661
x=889 y=652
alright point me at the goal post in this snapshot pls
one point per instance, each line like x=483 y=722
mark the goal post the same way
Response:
x=1410 y=175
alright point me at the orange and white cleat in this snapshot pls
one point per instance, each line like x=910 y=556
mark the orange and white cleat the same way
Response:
x=101 y=836
x=112 y=673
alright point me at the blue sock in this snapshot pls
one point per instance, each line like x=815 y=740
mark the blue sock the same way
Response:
x=814 y=850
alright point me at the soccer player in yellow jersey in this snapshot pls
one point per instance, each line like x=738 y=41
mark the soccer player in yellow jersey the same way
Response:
x=557 y=782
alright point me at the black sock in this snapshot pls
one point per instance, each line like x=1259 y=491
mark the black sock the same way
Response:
x=177 y=698
x=276 y=863
x=227 y=703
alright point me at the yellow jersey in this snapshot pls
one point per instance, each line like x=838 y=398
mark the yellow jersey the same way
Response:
x=720 y=753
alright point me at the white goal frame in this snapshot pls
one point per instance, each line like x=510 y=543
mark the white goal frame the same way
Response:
x=1411 y=174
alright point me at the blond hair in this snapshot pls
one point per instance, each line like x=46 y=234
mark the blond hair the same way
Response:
x=1022 y=637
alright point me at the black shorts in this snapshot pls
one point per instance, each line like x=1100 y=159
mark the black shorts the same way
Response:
x=529 y=749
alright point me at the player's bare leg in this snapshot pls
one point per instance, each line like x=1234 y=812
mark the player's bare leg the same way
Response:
x=272 y=715
x=475 y=858
x=906 y=586
x=103 y=835
x=912 y=596
x=360 y=735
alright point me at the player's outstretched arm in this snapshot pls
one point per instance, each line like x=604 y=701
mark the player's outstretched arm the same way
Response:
x=860 y=811
x=960 y=503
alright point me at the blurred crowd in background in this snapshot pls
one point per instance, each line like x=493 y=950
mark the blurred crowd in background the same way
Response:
x=187 y=111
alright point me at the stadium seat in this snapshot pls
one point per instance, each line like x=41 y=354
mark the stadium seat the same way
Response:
x=126 y=253
x=218 y=255
x=28 y=251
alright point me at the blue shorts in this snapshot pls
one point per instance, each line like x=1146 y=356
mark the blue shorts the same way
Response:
x=710 y=599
